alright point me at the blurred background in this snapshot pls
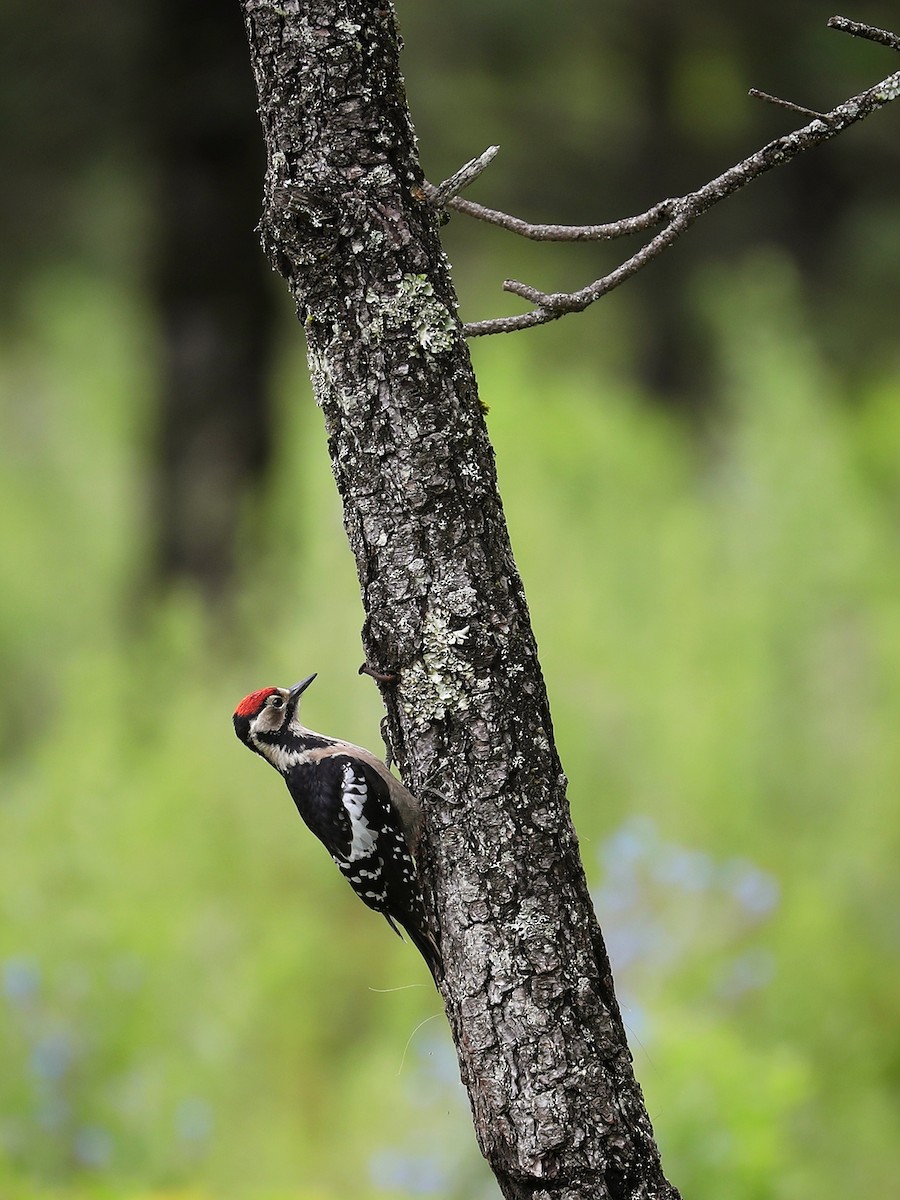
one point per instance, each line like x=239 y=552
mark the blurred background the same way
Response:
x=702 y=480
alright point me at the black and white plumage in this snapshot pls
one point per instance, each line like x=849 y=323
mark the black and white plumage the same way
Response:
x=366 y=819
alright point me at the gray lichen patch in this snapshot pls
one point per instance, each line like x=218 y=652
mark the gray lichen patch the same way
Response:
x=413 y=312
x=889 y=89
x=441 y=681
x=322 y=374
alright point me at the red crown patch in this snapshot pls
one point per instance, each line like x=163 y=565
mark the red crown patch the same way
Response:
x=250 y=705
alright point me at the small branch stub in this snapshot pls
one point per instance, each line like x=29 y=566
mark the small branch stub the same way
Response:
x=460 y=180
x=378 y=676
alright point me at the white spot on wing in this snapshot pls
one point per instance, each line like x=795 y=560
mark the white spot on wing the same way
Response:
x=353 y=795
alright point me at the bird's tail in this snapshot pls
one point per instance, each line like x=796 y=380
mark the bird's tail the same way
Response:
x=423 y=942
x=428 y=948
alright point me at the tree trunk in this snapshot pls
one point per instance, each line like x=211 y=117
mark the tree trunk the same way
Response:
x=528 y=989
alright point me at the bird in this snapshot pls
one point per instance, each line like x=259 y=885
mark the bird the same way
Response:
x=366 y=819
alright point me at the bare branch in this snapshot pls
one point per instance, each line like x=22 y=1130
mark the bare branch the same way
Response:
x=789 y=104
x=566 y=233
x=676 y=215
x=870 y=32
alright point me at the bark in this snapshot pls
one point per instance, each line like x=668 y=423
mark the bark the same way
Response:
x=528 y=989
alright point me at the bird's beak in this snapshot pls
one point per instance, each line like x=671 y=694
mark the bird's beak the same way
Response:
x=299 y=688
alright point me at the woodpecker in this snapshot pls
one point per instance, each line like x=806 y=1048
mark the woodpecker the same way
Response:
x=366 y=819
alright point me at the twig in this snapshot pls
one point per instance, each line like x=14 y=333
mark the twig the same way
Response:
x=871 y=33
x=789 y=104
x=566 y=233
x=675 y=215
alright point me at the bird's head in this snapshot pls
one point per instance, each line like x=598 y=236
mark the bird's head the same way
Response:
x=269 y=711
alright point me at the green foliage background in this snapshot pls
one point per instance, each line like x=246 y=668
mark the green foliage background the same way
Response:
x=194 y=1007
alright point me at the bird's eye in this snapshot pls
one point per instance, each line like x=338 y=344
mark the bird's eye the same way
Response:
x=276 y=701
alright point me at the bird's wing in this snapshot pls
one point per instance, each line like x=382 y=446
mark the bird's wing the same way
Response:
x=353 y=827
x=366 y=840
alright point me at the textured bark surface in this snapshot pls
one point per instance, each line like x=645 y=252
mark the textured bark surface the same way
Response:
x=528 y=990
